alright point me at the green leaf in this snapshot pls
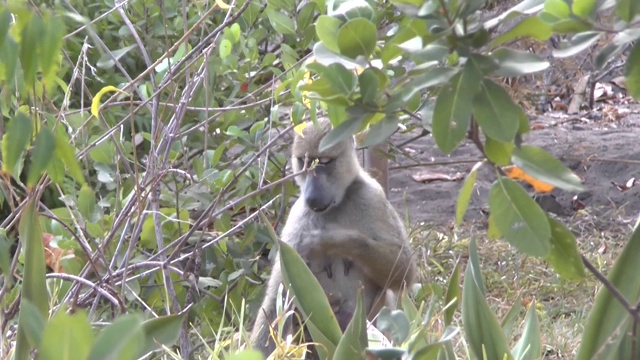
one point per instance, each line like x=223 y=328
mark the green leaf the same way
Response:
x=583 y=8
x=5 y=257
x=108 y=61
x=29 y=45
x=67 y=337
x=225 y=48
x=532 y=26
x=546 y=168
x=519 y=218
x=452 y=296
x=578 y=43
x=498 y=152
x=342 y=131
x=163 y=330
x=327 y=28
x=51 y=49
x=632 y=72
x=281 y=22
x=66 y=153
x=341 y=80
x=495 y=112
x=357 y=37
x=452 y=111
x=474 y=262
x=310 y=298
x=482 y=330
x=86 y=201
x=351 y=9
x=246 y=355
x=607 y=320
x=558 y=8
x=529 y=347
x=368 y=83
x=433 y=77
x=33 y=322
x=627 y=10
x=381 y=130
x=15 y=141
x=464 y=196
x=510 y=317
x=43 y=151
x=34 y=288
x=9 y=58
x=394 y=323
x=305 y=16
x=354 y=341
x=564 y=256
x=122 y=340
x=5 y=23
x=517 y=63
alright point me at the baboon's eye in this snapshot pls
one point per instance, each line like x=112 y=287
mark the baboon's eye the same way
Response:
x=324 y=160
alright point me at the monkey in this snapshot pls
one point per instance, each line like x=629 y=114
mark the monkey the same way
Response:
x=345 y=229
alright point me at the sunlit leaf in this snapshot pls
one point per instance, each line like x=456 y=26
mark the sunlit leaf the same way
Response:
x=498 y=152
x=464 y=195
x=50 y=49
x=32 y=321
x=546 y=168
x=532 y=26
x=15 y=141
x=519 y=218
x=327 y=28
x=368 y=83
x=29 y=44
x=564 y=256
x=357 y=37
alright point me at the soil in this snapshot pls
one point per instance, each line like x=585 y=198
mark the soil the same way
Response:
x=603 y=153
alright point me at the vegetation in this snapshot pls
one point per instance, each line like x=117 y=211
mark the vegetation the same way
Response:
x=144 y=157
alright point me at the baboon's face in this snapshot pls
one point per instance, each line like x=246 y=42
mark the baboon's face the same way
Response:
x=336 y=168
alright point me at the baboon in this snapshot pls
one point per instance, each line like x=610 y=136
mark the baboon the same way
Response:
x=345 y=229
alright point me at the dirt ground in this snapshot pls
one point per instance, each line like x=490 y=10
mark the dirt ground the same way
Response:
x=603 y=153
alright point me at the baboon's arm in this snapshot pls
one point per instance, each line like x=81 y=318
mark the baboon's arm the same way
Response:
x=387 y=262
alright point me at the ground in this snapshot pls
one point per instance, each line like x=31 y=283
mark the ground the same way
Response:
x=605 y=153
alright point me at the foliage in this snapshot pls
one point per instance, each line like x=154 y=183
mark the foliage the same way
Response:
x=146 y=138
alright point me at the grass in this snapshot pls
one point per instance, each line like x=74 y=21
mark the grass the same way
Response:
x=509 y=276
